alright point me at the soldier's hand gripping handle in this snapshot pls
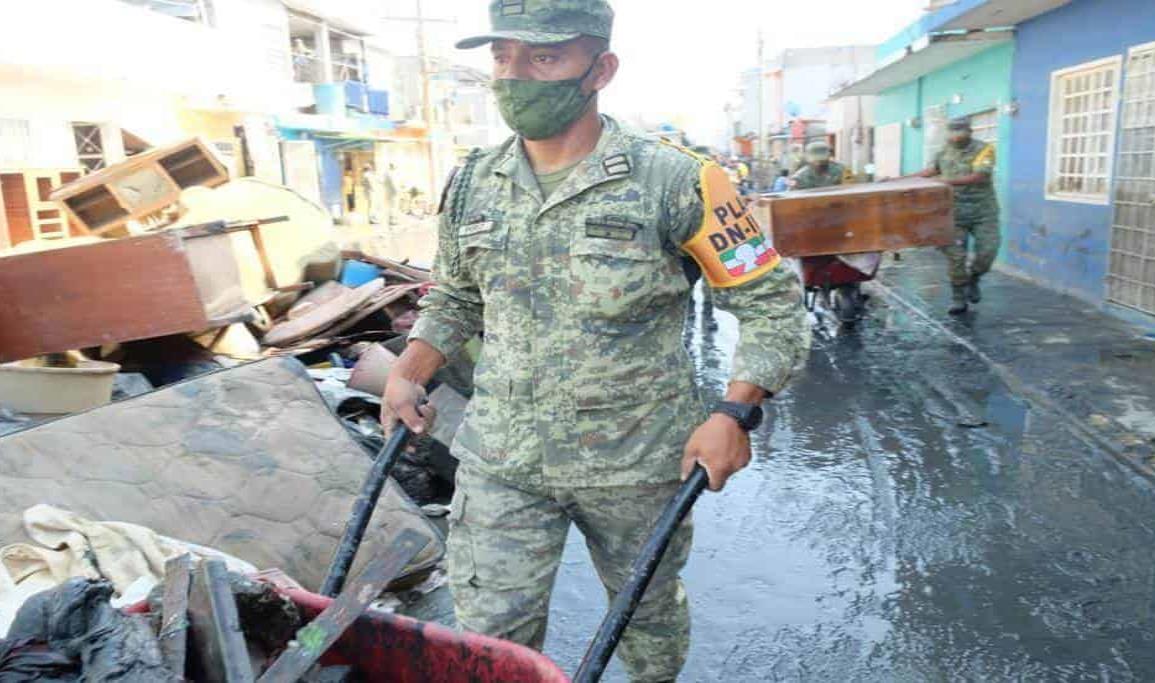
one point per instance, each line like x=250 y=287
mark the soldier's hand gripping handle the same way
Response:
x=408 y=402
x=405 y=397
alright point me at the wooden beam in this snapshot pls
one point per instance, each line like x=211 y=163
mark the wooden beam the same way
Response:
x=216 y=627
x=174 y=615
x=314 y=639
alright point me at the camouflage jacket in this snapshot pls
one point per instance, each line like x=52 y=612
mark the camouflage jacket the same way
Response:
x=808 y=177
x=583 y=378
x=971 y=202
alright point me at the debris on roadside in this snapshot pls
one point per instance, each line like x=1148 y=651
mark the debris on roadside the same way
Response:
x=220 y=328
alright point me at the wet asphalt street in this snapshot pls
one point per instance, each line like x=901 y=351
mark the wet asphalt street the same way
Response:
x=907 y=518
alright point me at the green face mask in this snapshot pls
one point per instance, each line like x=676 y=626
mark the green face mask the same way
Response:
x=538 y=110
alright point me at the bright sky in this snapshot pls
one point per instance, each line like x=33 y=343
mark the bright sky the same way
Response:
x=681 y=60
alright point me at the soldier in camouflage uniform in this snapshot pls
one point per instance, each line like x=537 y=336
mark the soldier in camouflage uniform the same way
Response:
x=819 y=170
x=968 y=165
x=569 y=245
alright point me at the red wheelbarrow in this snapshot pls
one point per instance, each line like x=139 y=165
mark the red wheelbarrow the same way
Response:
x=386 y=647
x=380 y=646
x=836 y=281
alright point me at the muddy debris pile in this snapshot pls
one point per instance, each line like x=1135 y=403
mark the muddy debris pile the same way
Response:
x=182 y=632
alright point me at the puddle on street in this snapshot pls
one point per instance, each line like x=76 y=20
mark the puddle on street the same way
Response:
x=907 y=518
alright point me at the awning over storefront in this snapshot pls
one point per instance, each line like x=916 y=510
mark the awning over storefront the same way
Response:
x=974 y=14
x=364 y=127
x=938 y=52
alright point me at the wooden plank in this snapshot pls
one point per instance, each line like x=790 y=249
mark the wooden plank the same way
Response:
x=95 y=294
x=216 y=627
x=860 y=218
x=313 y=640
x=16 y=207
x=174 y=613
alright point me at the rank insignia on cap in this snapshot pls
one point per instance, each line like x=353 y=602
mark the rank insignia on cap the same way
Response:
x=512 y=8
x=618 y=164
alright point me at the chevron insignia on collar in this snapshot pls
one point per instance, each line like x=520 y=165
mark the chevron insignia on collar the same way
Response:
x=618 y=164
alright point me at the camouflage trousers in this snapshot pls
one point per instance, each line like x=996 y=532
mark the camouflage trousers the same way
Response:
x=506 y=542
x=986 y=238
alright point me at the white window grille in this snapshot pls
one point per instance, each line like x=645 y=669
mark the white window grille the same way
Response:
x=1131 y=274
x=348 y=53
x=985 y=126
x=1081 y=133
x=89 y=145
x=15 y=143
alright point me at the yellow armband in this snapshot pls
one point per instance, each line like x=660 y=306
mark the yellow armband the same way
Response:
x=985 y=161
x=730 y=246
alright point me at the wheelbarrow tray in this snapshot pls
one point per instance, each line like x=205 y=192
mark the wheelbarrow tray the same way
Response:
x=832 y=271
x=380 y=646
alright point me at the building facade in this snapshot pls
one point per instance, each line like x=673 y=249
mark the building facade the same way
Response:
x=786 y=103
x=1066 y=91
x=1082 y=193
x=298 y=92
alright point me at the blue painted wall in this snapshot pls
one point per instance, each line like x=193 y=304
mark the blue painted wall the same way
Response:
x=1060 y=243
x=984 y=82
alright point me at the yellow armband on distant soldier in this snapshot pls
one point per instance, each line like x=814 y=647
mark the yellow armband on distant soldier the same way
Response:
x=985 y=161
x=730 y=246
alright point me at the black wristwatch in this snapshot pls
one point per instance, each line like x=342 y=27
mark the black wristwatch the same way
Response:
x=747 y=415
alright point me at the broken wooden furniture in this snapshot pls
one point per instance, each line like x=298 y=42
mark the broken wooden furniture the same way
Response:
x=184 y=280
x=27 y=211
x=143 y=185
x=850 y=219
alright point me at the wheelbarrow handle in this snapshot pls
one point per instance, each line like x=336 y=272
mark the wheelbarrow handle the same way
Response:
x=363 y=509
x=626 y=603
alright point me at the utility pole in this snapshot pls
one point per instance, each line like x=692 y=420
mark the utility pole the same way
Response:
x=426 y=104
x=426 y=100
x=760 y=143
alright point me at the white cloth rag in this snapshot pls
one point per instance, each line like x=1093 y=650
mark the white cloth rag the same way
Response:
x=66 y=545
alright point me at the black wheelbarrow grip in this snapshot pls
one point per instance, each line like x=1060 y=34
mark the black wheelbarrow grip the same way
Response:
x=363 y=508
x=626 y=603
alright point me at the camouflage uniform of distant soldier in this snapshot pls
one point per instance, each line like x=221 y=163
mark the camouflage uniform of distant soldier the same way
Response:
x=585 y=396
x=969 y=165
x=819 y=170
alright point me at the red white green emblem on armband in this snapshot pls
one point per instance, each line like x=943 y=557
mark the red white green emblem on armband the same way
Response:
x=748 y=257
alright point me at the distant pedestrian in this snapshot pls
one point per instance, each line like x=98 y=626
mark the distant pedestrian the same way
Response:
x=370 y=189
x=349 y=190
x=389 y=194
x=968 y=165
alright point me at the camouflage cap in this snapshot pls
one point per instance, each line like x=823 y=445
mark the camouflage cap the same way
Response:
x=818 y=150
x=959 y=123
x=543 y=22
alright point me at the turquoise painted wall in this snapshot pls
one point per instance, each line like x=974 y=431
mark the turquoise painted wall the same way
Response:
x=983 y=81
